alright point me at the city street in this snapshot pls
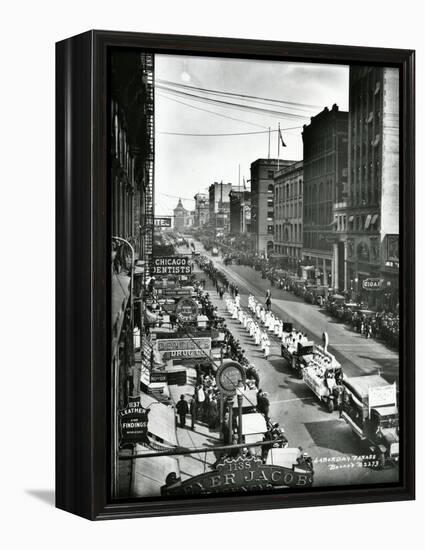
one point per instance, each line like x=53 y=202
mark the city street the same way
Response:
x=336 y=451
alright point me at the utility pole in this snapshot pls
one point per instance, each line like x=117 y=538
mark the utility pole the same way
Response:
x=268 y=154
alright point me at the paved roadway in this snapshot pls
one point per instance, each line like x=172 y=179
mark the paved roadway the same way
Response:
x=324 y=436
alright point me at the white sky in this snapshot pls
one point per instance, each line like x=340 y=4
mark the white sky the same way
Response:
x=186 y=165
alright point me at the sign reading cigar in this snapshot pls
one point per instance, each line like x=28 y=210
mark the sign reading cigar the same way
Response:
x=372 y=284
x=240 y=475
x=183 y=347
x=187 y=310
x=171 y=265
x=133 y=422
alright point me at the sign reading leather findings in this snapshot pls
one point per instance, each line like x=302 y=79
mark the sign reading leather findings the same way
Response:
x=171 y=348
x=171 y=265
x=240 y=475
x=133 y=422
x=187 y=310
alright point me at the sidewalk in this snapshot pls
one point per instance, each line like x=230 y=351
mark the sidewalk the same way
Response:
x=201 y=436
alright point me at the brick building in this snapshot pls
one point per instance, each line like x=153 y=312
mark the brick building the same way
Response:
x=370 y=219
x=180 y=216
x=240 y=203
x=325 y=142
x=219 y=207
x=262 y=202
x=288 y=214
x=201 y=210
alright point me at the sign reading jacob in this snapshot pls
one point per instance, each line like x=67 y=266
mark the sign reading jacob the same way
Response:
x=134 y=423
x=240 y=475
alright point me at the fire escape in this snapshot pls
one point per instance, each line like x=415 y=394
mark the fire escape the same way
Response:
x=147 y=61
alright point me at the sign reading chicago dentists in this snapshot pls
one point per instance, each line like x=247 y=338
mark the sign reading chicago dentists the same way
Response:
x=171 y=265
x=171 y=348
x=240 y=475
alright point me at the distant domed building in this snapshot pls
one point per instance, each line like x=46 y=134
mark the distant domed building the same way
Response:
x=180 y=215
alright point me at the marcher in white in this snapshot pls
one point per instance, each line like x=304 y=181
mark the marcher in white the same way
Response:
x=266 y=349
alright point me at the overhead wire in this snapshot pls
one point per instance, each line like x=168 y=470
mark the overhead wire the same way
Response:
x=231 y=105
x=234 y=94
x=228 y=133
x=211 y=112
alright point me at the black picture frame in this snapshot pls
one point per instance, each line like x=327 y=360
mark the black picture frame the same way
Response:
x=82 y=271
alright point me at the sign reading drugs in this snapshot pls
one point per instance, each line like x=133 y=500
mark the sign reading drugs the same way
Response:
x=172 y=348
x=240 y=475
x=133 y=422
x=171 y=265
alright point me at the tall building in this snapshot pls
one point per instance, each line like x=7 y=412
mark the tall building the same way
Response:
x=240 y=211
x=262 y=202
x=132 y=213
x=219 y=207
x=325 y=143
x=180 y=215
x=190 y=219
x=370 y=219
x=132 y=149
x=288 y=214
x=201 y=210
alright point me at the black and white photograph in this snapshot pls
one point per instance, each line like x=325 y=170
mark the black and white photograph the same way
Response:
x=254 y=288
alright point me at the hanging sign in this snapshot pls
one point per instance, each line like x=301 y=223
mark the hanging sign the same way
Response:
x=372 y=284
x=171 y=265
x=229 y=376
x=162 y=222
x=172 y=348
x=187 y=310
x=133 y=423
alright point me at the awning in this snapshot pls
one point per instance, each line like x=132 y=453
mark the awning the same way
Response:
x=161 y=419
x=249 y=399
x=351 y=219
x=120 y=294
x=151 y=473
x=283 y=457
x=367 y=222
x=374 y=219
x=253 y=423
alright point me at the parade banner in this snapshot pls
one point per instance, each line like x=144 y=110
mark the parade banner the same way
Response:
x=183 y=347
x=171 y=265
x=133 y=423
x=240 y=475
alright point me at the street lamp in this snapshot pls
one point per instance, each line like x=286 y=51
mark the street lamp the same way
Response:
x=356 y=282
x=239 y=395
